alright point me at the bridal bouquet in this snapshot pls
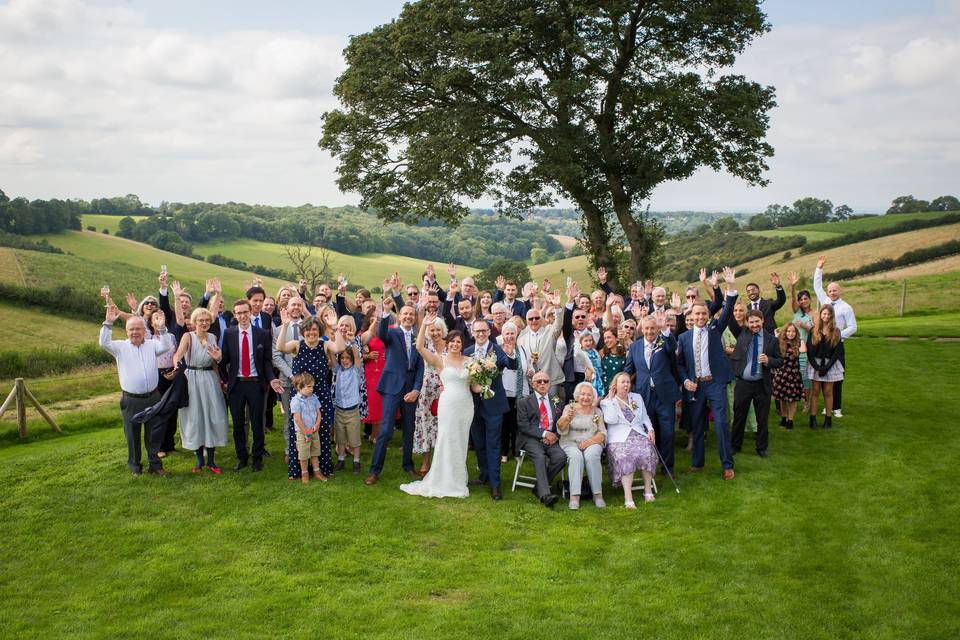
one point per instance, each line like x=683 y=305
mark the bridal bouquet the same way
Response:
x=484 y=372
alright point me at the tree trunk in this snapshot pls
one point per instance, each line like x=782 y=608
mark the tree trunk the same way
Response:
x=598 y=242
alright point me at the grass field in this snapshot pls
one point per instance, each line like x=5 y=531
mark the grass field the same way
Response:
x=41 y=329
x=847 y=533
x=102 y=222
x=943 y=325
x=824 y=230
x=368 y=269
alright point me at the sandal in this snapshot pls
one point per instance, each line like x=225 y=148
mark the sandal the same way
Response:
x=629 y=505
x=305 y=478
x=649 y=497
x=319 y=476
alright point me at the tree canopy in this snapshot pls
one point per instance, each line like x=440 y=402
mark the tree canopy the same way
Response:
x=594 y=101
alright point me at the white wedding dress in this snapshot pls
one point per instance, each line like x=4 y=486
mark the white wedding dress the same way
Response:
x=447 y=477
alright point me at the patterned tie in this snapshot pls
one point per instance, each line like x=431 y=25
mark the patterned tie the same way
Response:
x=754 y=355
x=519 y=390
x=696 y=350
x=245 y=356
x=544 y=417
x=407 y=342
x=648 y=354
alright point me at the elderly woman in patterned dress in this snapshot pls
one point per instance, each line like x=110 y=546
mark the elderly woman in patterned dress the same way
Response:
x=630 y=439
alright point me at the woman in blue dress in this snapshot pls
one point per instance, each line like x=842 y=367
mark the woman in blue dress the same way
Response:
x=310 y=356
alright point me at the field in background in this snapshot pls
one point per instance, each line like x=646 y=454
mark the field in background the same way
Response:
x=824 y=230
x=102 y=222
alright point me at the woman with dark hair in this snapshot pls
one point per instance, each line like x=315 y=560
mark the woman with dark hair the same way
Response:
x=310 y=356
x=612 y=356
x=824 y=363
x=485 y=300
x=374 y=357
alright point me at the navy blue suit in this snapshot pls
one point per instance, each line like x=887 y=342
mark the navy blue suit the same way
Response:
x=400 y=376
x=247 y=394
x=659 y=399
x=488 y=418
x=517 y=307
x=714 y=390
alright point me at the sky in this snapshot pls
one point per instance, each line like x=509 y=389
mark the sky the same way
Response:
x=221 y=100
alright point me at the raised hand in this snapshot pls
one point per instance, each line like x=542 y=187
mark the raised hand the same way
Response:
x=216 y=286
x=210 y=288
x=553 y=298
x=431 y=271
x=454 y=288
x=112 y=313
x=714 y=279
x=638 y=311
x=572 y=291
x=159 y=320
x=395 y=281
x=452 y=271
x=602 y=275
x=387 y=286
x=775 y=279
x=793 y=277
x=648 y=287
x=822 y=260
x=163 y=279
x=105 y=292
x=546 y=286
x=284 y=315
x=728 y=276
x=429 y=319
x=501 y=282
x=132 y=302
x=675 y=300
x=661 y=318
x=214 y=351
x=703 y=274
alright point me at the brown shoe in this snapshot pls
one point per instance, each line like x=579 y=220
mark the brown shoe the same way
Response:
x=370 y=479
x=305 y=478
x=728 y=474
x=163 y=473
x=319 y=476
x=694 y=469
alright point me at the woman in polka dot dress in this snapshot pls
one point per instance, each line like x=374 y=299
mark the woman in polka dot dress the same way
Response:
x=310 y=356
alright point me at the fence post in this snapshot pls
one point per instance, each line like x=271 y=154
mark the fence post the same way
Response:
x=903 y=298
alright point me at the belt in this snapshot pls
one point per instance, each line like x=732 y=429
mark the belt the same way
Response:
x=249 y=379
x=199 y=368
x=705 y=379
x=348 y=408
x=139 y=395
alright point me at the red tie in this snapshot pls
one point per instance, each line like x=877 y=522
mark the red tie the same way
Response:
x=544 y=418
x=245 y=357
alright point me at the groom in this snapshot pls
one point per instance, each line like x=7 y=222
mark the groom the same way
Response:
x=488 y=414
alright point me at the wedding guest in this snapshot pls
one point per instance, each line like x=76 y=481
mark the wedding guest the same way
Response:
x=307 y=416
x=765 y=306
x=425 y=420
x=846 y=323
x=538 y=341
x=347 y=398
x=590 y=359
x=613 y=356
x=499 y=312
x=755 y=357
x=824 y=363
x=516 y=383
x=738 y=318
x=787 y=382
x=630 y=439
x=137 y=371
x=203 y=422
x=174 y=321
x=574 y=324
x=485 y=310
x=537 y=416
x=803 y=320
x=270 y=308
x=507 y=293
x=374 y=357
x=283 y=362
x=462 y=319
x=582 y=436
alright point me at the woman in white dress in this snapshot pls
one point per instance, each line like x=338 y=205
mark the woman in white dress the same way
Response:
x=447 y=477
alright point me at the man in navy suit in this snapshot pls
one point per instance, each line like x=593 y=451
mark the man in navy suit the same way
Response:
x=488 y=414
x=653 y=362
x=399 y=387
x=706 y=373
x=248 y=364
x=755 y=356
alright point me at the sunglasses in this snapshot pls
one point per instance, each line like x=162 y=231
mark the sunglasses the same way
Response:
x=413 y=294
x=540 y=381
x=533 y=318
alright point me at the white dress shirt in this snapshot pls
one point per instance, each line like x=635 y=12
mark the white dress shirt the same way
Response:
x=842 y=311
x=136 y=366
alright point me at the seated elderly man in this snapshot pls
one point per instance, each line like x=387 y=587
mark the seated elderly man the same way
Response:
x=137 y=369
x=537 y=416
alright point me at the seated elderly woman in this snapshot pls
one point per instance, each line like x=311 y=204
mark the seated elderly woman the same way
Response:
x=582 y=434
x=630 y=439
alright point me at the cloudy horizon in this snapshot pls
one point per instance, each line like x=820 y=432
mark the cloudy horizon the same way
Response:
x=222 y=102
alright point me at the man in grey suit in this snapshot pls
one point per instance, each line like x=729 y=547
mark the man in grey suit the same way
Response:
x=283 y=362
x=537 y=416
x=539 y=343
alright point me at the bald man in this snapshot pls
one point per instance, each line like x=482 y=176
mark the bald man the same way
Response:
x=137 y=369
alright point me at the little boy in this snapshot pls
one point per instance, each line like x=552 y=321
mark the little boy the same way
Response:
x=346 y=419
x=305 y=408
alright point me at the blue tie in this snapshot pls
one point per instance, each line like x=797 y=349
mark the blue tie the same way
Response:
x=256 y=322
x=754 y=356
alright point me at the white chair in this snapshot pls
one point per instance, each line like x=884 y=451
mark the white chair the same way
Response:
x=531 y=481
x=638 y=484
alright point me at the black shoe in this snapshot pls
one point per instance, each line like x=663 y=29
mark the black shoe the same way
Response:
x=495 y=493
x=240 y=466
x=356 y=467
x=736 y=450
x=475 y=483
x=783 y=421
x=339 y=466
x=813 y=422
x=828 y=422
x=549 y=500
x=258 y=465
x=762 y=453
x=789 y=425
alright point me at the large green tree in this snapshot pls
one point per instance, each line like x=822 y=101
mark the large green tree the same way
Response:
x=521 y=101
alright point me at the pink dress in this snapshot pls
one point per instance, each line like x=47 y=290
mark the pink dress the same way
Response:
x=371 y=371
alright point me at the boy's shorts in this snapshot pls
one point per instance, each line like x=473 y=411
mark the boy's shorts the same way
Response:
x=347 y=427
x=307 y=449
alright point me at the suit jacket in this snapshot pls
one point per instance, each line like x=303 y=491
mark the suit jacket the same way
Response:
x=393 y=378
x=528 y=416
x=663 y=371
x=456 y=323
x=497 y=405
x=517 y=308
x=741 y=351
x=769 y=310
x=719 y=364
x=230 y=364
x=546 y=347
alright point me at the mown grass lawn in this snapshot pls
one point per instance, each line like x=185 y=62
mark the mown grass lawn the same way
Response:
x=849 y=533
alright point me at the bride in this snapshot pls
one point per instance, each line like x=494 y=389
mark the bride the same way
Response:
x=447 y=477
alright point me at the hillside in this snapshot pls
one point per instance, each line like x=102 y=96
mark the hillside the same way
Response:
x=824 y=230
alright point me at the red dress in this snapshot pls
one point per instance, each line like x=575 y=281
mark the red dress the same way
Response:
x=371 y=371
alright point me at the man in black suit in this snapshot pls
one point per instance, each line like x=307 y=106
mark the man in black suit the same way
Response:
x=754 y=357
x=764 y=305
x=248 y=366
x=460 y=319
x=537 y=416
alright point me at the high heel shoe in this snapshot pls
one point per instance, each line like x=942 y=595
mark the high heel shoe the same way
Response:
x=828 y=422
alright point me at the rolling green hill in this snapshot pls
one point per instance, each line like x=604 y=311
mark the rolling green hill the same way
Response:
x=824 y=230
x=102 y=222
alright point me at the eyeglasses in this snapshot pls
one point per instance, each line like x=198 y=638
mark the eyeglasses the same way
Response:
x=481 y=330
